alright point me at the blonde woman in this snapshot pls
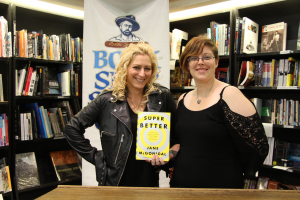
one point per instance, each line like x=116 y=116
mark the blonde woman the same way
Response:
x=115 y=110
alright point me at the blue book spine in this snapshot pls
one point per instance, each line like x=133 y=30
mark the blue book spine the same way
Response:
x=43 y=123
x=1 y=132
x=39 y=122
x=48 y=123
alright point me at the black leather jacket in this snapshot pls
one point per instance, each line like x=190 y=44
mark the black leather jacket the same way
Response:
x=115 y=131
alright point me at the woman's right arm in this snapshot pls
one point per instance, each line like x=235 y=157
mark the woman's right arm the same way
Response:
x=75 y=129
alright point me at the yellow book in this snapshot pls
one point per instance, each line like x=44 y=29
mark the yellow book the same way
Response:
x=290 y=71
x=50 y=47
x=153 y=135
x=272 y=72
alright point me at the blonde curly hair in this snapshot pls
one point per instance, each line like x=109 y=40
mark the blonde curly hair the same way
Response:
x=119 y=84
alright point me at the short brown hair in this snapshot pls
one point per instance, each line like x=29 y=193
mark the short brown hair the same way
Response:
x=193 y=48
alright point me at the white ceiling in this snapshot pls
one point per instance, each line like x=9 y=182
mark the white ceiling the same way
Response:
x=175 y=5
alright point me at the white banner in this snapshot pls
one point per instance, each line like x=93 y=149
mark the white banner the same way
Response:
x=109 y=26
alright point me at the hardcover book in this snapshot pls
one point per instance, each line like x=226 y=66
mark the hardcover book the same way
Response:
x=51 y=86
x=273 y=37
x=177 y=37
x=249 y=40
x=153 y=135
x=26 y=171
x=66 y=164
x=5 y=179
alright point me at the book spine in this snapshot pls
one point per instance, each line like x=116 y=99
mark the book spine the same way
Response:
x=25 y=92
x=6 y=130
x=41 y=109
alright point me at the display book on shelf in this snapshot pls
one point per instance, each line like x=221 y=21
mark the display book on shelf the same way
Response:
x=5 y=180
x=57 y=166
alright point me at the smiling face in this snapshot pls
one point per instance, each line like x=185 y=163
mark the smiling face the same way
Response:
x=139 y=72
x=203 y=70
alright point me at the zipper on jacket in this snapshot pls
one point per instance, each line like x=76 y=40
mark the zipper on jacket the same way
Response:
x=129 y=147
x=119 y=148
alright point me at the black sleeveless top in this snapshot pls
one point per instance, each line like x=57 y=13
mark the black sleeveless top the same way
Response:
x=208 y=156
x=137 y=173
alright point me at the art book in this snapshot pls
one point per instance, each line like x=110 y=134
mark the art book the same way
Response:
x=153 y=135
x=273 y=37
x=26 y=171
x=66 y=164
x=249 y=40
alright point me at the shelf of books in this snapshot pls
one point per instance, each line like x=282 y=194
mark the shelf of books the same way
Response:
x=6 y=189
x=267 y=72
x=41 y=80
x=215 y=27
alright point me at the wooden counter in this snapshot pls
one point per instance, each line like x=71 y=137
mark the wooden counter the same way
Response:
x=65 y=192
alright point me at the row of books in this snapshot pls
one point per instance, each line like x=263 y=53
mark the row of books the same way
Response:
x=273 y=37
x=220 y=34
x=66 y=164
x=4 y=135
x=53 y=47
x=278 y=111
x=5 y=39
x=5 y=181
x=282 y=72
x=1 y=89
x=36 y=121
x=43 y=80
x=263 y=183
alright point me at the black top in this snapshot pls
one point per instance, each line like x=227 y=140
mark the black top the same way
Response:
x=209 y=156
x=137 y=173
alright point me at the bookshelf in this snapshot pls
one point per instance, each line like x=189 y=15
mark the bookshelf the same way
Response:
x=275 y=12
x=199 y=25
x=32 y=20
x=5 y=106
x=268 y=14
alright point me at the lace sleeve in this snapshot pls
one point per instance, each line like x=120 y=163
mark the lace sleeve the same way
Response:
x=249 y=137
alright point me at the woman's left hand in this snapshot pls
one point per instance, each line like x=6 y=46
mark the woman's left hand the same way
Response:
x=156 y=161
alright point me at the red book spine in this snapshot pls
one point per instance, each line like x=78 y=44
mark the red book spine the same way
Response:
x=25 y=92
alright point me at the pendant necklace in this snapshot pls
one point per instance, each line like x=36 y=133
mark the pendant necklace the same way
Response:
x=136 y=108
x=199 y=100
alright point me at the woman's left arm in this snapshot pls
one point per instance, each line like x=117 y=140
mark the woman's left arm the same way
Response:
x=246 y=130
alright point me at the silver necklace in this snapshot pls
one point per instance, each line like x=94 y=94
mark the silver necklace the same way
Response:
x=199 y=100
x=136 y=108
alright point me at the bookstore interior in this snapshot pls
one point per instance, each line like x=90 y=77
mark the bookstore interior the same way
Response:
x=41 y=56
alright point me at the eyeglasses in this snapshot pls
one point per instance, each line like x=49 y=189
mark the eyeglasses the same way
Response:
x=196 y=59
